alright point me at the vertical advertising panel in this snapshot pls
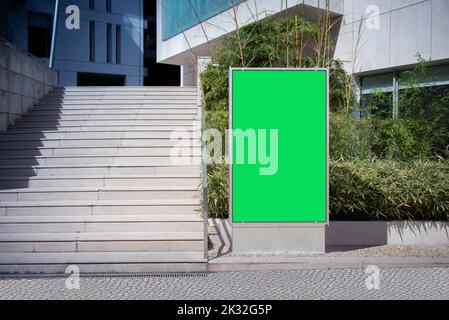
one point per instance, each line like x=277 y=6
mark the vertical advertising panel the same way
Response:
x=279 y=120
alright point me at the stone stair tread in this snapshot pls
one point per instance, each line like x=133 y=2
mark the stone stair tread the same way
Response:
x=100 y=236
x=91 y=189
x=95 y=166
x=71 y=132
x=101 y=257
x=88 y=139
x=89 y=127
x=178 y=176
x=87 y=156
x=70 y=203
x=96 y=117
x=100 y=219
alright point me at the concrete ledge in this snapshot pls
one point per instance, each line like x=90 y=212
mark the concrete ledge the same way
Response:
x=356 y=233
x=236 y=264
x=257 y=237
x=372 y=233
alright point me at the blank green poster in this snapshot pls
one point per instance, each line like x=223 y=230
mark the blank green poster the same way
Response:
x=290 y=106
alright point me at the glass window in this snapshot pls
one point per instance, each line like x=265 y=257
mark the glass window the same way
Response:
x=109 y=43
x=180 y=15
x=39 y=34
x=92 y=41
x=377 y=95
x=424 y=94
x=118 y=44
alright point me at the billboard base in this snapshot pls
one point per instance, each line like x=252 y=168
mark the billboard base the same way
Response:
x=278 y=238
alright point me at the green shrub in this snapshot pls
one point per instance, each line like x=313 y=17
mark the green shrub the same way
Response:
x=350 y=138
x=389 y=190
x=218 y=190
x=272 y=43
x=374 y=138
x=402 y=139
x=214 y=81
x=429 y=103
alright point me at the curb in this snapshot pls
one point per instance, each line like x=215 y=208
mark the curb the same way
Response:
x=237 y=264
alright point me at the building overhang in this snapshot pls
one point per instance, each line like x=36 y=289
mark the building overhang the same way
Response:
x=200 y=39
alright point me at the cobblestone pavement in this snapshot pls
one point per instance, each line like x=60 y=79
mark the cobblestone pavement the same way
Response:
x=425 y=283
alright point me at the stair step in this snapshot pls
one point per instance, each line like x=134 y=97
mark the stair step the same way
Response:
x=59 y=135
x=93 y=226
x=97 y=181
x=129 y=89
x=104 y=246
x=93 y=151
x=96 y=160
x=100 y=219
x=112 y=111
x=108 y=93
x=97 y=170
x=112 y=142
x=100 y=236
x=99 y=207
x=90 y=128
x=104 y=193
x=9 y=229
x=123 y=102
x=140 y=96
x=106 y=117
x=100 y=228
x=115 y=107
x=105 y=122
x=100 y=257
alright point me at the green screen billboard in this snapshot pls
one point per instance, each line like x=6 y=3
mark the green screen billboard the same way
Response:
x=279 y=120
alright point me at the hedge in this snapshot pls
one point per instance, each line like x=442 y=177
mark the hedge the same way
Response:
x=373 y=138
x=367 y=190
x=389 y=190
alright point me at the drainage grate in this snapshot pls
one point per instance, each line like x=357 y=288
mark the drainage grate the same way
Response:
x=103 y=275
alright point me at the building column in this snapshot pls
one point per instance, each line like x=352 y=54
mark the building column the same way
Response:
x=188 y=75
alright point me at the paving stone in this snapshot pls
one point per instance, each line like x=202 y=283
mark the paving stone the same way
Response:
x=401 y=284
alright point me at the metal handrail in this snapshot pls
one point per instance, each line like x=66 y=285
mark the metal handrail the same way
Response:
x=53 y=36
x=202 y=117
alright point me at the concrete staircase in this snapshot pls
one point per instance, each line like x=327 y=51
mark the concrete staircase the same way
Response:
x=86 y=179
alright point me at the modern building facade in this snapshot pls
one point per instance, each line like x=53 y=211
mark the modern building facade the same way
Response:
x=376 y=39
x=115 y=44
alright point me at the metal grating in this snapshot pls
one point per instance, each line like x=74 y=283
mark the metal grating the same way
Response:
x=103 y=275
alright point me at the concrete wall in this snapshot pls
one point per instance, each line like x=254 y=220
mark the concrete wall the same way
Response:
x=72 y=46
x=357 y=233
x=374 y=233
x=405 y=28
x=23 y=81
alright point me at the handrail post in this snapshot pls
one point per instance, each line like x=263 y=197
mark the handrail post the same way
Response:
x=202 y=63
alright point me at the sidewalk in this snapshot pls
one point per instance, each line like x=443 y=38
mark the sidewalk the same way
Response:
x=222 y=260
